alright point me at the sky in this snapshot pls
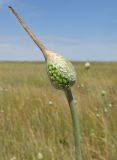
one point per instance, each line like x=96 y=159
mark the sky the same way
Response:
x=82 y=30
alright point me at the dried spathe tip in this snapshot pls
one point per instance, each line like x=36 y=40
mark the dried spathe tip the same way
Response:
x=9 y=7
x=33 y=37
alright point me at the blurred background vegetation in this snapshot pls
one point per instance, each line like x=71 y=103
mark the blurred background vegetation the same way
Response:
x=35 y=118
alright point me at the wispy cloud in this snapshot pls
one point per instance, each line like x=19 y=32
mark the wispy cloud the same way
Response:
x=83 y=49
x=16 y=47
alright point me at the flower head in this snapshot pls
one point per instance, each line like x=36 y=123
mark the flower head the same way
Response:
x=103 y=93
x=110 y=105
x=60 y=71
x=87 y=65
x=50 y=103
x=40 y=156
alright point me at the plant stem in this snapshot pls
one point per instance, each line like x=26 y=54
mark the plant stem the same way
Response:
x=75 y=121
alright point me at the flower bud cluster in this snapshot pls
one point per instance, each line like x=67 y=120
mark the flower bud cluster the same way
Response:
x=61 y=72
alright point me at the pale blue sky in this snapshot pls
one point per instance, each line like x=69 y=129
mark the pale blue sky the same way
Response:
x=77 y=29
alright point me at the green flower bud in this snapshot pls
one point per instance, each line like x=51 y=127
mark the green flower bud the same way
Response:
x=57 y=72
x=50 y=72
x=52 y=78
x=57 y=78
x=50 y=67
x=60 y=71
x=60 y=80
x=65 y=81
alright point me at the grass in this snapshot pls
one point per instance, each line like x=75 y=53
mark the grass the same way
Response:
x=30 y=124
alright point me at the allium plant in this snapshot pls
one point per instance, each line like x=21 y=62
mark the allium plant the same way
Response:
x=103 y=93
x=87 y=65
x=62 y=76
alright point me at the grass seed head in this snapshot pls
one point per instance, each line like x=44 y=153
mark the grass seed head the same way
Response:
x=40 y=156
x=97 y=115
x=110 y=105
x=105 y=110
x=50 y=102
x=103 y=93
x=87 y=65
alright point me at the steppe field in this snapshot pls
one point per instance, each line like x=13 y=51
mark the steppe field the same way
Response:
x=35 y=120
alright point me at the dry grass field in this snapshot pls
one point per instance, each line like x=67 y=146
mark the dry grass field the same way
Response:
x=35 y=118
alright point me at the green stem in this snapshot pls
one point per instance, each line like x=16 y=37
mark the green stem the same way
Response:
x=75 y=121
